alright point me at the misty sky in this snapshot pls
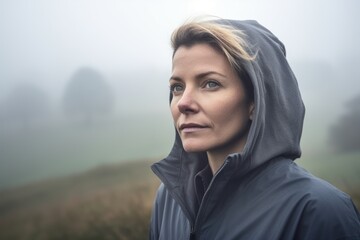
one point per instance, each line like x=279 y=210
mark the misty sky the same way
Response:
x=44 y=42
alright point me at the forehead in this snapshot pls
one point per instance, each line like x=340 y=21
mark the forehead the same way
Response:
x=199 y=57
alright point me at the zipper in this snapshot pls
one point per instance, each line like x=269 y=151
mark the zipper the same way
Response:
x=192 y=234
x=197 y=219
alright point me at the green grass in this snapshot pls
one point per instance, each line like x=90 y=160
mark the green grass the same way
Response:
x=44 y=151
x=335 y=167
x=341 y=170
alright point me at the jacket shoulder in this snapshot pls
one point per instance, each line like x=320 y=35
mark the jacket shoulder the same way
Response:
x=327 y=211
x=167 y=218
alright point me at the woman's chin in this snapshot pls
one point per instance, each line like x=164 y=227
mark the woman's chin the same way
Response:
x=190 y=148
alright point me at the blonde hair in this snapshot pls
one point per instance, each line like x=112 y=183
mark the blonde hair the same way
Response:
x=226 y=39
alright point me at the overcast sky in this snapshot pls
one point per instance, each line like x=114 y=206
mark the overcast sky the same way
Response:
x=45 y=41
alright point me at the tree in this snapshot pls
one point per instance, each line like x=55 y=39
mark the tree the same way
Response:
x=25 y=103
x=87 y=95
x=345 y=134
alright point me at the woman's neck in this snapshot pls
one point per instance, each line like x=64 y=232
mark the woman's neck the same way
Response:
x=217 y=157
x=215 y=161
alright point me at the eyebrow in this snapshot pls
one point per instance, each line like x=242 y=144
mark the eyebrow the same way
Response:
x=198 y=76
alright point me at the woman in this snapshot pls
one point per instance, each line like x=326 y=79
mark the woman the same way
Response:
x=238 y=116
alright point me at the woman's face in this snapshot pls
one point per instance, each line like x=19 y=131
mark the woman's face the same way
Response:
x=209 y=105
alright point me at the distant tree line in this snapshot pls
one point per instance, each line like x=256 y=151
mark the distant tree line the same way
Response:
x=86 y=96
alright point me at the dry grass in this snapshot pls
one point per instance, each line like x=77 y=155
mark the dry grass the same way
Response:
x=111 y=202
x=117 y=211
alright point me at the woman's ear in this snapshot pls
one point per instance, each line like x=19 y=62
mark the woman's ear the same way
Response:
x=251 y=111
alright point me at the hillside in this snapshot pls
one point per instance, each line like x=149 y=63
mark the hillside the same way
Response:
x=114 y=201
x=108 y=202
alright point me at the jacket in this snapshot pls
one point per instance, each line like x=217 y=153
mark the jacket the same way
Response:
x=259 y=193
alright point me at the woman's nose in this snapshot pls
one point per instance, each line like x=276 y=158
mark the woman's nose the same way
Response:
x=187 y=102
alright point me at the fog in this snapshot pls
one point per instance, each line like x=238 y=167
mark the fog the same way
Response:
x=46 y=46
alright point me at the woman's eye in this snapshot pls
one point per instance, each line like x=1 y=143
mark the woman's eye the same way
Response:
x=212 y=84
x=176 y=88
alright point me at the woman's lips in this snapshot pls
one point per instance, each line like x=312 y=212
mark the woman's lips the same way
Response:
x=191 y=127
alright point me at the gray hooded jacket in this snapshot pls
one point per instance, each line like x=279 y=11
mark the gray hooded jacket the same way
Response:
x=259 y=193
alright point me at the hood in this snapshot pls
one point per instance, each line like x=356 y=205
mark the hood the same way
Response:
x=277 y=122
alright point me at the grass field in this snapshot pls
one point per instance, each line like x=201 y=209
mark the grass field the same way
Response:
x=62 y=148
x=109 y=202
x=114 y=201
